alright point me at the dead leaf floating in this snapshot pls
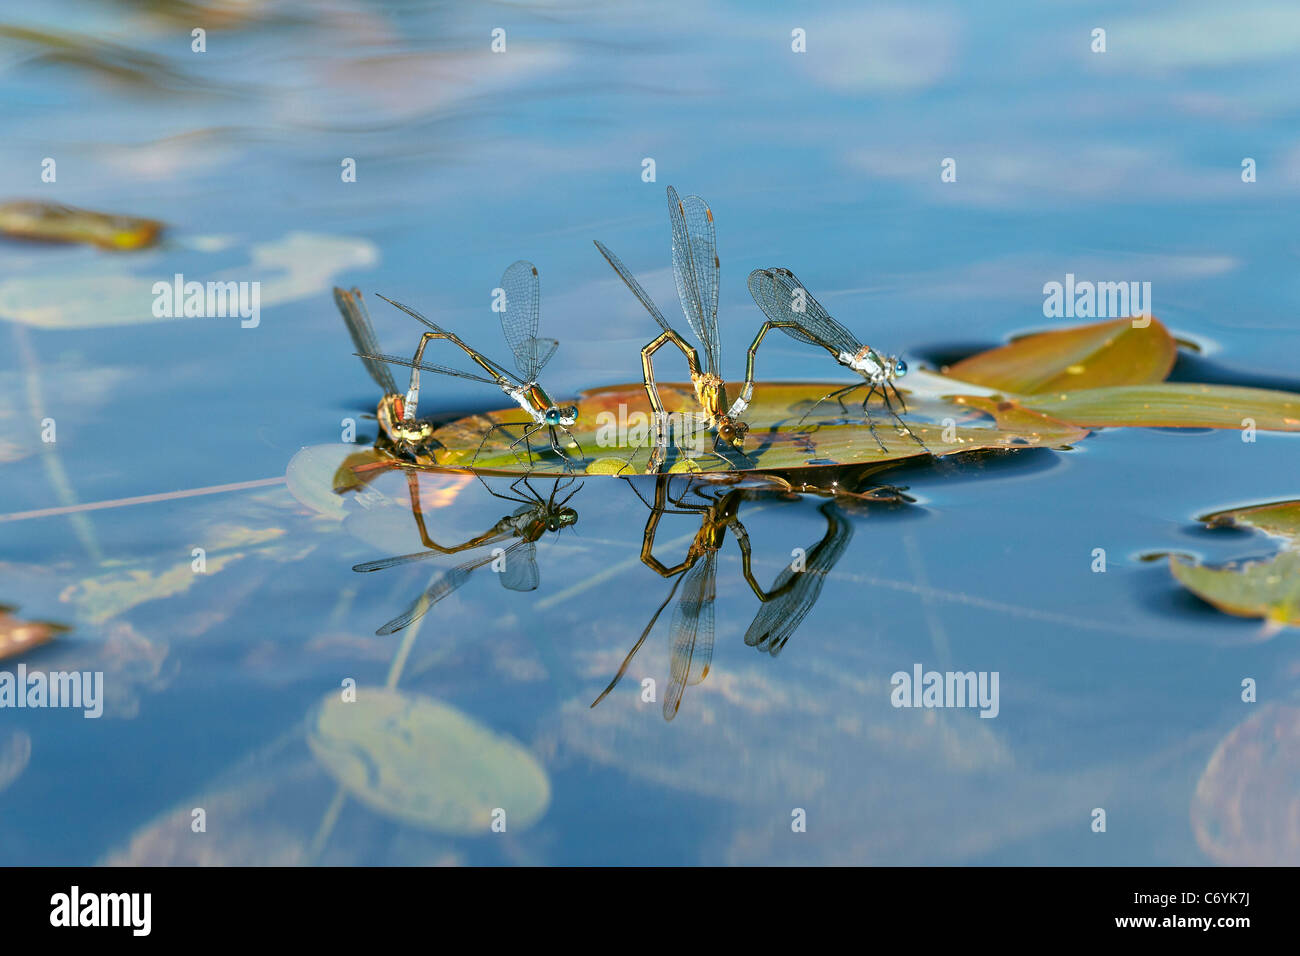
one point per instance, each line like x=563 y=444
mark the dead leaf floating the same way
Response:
x=18 y=636
x=52 y=222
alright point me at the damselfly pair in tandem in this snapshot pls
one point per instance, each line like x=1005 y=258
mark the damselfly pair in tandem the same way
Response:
x=411 y=437
x=788 y=307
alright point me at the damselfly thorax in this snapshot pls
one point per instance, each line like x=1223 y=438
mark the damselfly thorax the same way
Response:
x=870 y=364
x=711 y=393
x=532 y=398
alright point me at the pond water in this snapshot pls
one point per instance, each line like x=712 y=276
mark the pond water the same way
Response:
x=1114 y=689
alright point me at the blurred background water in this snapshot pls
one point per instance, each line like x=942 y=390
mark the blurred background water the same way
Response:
x=1115 y=688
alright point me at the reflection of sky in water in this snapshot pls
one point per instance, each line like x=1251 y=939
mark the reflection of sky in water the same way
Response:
x=1122 y=166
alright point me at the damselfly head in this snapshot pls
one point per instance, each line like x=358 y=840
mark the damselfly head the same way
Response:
x=561 y=518
x=733 y=433
x=900 y=368
x=396 y=427
x=561 y=416
x=414 y=433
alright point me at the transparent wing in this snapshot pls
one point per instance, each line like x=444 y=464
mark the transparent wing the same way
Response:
x=691 y=632
x=428 y=367
x=444 y=584
x=544 y=349
x=519 y=318
x=637 y=646
x=695 y=267
x=703 y=656
x=632 y=284
x=778 y=619
x=357 y=319
x=520 y=573
x=415 y=315
x=783 y=298
x=382 y=563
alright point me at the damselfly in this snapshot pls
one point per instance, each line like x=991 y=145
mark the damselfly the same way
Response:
x=409 y=437
x=691 y=631
x=519 y=323
x=516 y=564
x=695 y=267
x=791 y=308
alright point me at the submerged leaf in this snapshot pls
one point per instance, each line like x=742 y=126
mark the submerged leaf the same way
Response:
x=104 y=596
x=1090 y=356
x=15 y=752
x=425 y=763
x=1246 y=811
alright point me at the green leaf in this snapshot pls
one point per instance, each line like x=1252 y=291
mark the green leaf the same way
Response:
x=1268 y=589
x=1090 y=356
x=1281 y=519
x=1173 y=405
x=779 y=441
x=1265 y=589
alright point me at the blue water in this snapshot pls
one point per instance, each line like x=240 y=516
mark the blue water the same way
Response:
x=1116 y=688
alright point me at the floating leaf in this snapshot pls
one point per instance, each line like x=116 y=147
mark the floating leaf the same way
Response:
x=425 y=763
x=613 y=422
x=1246 y=811
x=1043 y=391
x=1268 y=589
x=52 y=222
x=18 y=636
x=1090 y=356
x=1281 y=519
x=1173 y=405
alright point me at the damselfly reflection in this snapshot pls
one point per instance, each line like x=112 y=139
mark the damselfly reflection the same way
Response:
x=516 y=564
x=405 y=437
x=691 y=631
x=695 y=267
x=519 y=317
x=791 y=308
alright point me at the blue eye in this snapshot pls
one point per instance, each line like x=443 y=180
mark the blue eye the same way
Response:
x=552 y=416
x=900 y=367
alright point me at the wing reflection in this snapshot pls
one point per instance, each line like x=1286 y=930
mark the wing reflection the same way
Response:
x=691 y=631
